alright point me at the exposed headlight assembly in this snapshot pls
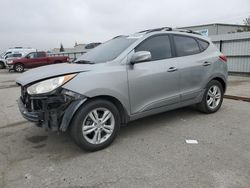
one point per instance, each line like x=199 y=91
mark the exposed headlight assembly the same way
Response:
x=49 y=85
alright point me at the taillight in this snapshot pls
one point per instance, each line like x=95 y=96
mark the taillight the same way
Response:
x=223 y=58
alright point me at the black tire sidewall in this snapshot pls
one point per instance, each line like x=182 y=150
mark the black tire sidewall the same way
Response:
x=77 y=123
x=2 y=66
x=204 y=100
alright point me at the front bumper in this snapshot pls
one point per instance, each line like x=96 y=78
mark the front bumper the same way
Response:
x=53 y=111
x=31 y=116
x=9 y=66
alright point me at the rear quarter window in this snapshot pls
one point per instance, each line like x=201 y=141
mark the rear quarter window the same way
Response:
x=186 y=45
x=203 y=44
x=41 y=54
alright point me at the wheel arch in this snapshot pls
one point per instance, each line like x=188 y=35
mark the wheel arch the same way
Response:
x=66 y=121
x=19 y=63
x=122 y=110
x=222 y=81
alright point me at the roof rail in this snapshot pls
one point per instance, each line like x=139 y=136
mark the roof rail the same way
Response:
x=119 y=36
x=156 y=29
x=187 y=31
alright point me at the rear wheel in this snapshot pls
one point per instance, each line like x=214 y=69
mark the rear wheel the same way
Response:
x=212 y=98
x=95 y=125
x=19 y=67
x=2 y=66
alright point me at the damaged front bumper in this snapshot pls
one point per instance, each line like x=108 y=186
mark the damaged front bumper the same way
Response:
x=52 y=111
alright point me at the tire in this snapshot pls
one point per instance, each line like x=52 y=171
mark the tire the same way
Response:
x=2 y=66
x=19 y=67
x=83 y=121
x=212 y=100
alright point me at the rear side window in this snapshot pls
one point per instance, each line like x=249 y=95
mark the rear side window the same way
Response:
x=203 y=44
x=158 y=46
x=185 y=45
x=41 y=54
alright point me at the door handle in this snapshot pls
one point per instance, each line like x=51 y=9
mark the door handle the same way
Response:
x=172 y=69
x=206 y=63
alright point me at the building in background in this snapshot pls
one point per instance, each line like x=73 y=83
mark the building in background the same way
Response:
x=76 y=48
x=217 y=28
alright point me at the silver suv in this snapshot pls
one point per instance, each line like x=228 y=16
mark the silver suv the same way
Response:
x=124 y=79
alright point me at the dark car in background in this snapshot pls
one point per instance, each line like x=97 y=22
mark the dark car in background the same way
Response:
x=34 y=59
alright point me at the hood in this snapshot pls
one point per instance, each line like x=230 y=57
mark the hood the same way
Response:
x=49 y=71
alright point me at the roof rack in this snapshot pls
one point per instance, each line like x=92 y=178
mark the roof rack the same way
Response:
x=156 y=29
x=187 y=31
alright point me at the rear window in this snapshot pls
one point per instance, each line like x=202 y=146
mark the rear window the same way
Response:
x=185 y=45
x=203 y=44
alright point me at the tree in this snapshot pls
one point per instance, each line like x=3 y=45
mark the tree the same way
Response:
x=246 y=22
x=61 y=48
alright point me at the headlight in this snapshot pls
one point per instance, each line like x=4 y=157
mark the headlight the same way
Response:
x=49 y=85
x=9 y=61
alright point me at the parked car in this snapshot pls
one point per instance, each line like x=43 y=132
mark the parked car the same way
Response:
x=16 y=50
x=34 y=59
x=22 y=50
x=124 y=79
x=2 y=63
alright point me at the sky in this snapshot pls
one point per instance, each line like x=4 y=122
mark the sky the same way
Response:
x=44 y=24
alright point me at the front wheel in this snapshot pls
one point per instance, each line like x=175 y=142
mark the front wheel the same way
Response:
x=95 y=125
x=212 y=98
x=19 y=67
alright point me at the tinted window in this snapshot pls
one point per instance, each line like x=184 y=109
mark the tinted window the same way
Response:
x=159 y=46
x=17 y=55
x=203 y=44
x=41 y=54
x=186 y=45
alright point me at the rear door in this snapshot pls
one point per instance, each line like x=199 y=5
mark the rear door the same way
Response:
x=154 y=84
x=191 y=62
x=42 y=58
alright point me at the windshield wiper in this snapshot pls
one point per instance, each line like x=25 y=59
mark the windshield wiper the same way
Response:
x=83 y=62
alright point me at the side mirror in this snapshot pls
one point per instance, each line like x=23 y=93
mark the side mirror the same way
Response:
x=140 y=56
x=27 y=57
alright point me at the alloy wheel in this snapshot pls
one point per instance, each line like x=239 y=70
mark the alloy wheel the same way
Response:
x=19 y=68
x=98 y=125
x=213 y=97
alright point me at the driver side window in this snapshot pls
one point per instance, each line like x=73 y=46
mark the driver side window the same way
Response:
x=159 y=47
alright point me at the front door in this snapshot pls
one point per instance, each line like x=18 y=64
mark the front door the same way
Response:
x=154 y=83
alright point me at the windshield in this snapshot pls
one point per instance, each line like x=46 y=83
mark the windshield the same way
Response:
x=107 y=51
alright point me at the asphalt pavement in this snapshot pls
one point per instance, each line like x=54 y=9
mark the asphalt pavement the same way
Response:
x=150 y=152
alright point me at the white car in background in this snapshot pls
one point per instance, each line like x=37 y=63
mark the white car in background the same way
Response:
x=13 y=53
